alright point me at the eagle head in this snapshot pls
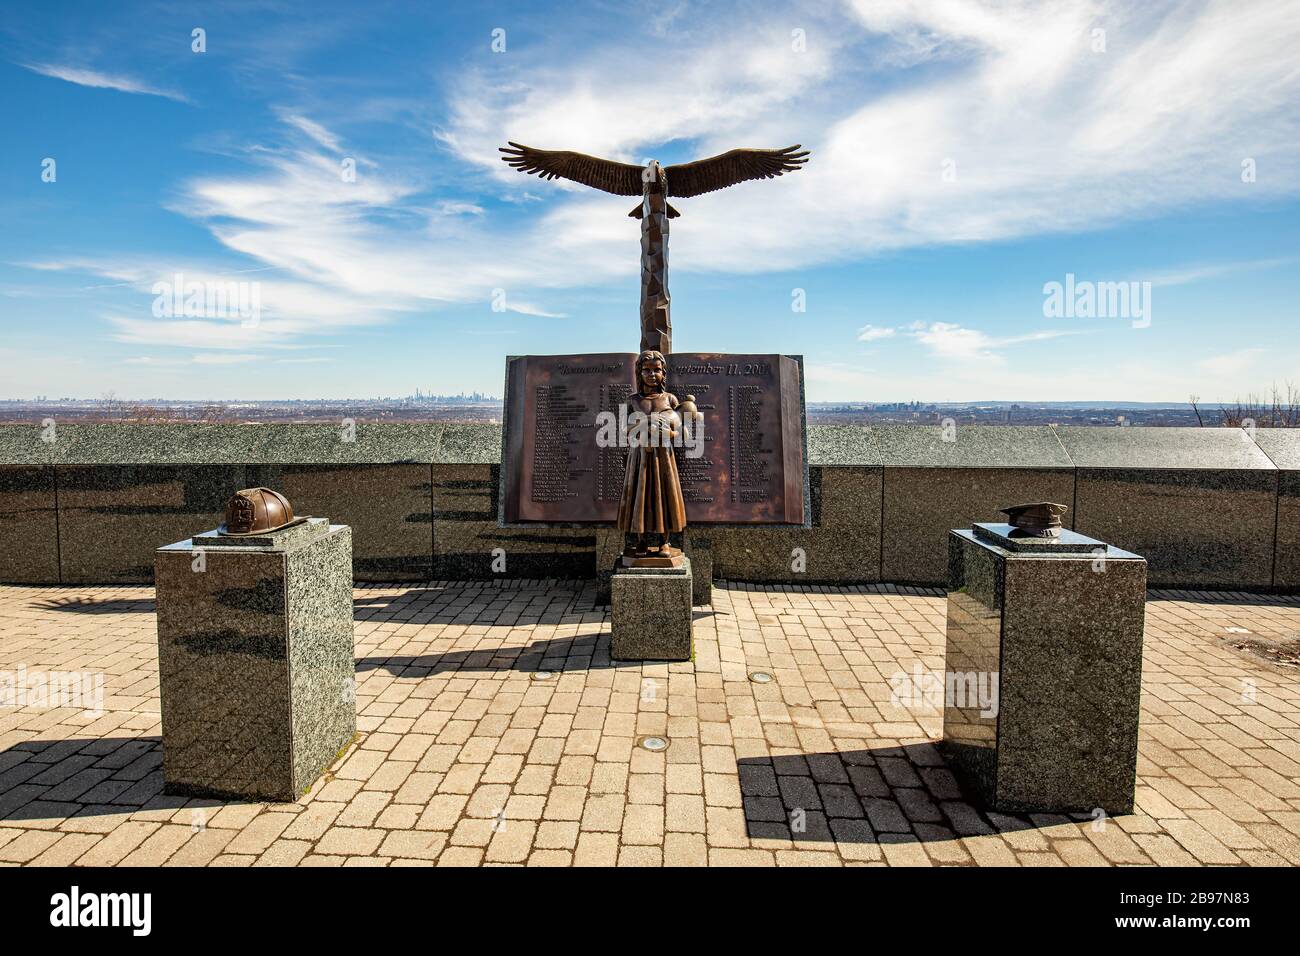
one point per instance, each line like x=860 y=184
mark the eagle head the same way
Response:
x=654 y=176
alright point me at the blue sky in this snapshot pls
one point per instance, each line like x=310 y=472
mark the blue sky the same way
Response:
x=965 y=153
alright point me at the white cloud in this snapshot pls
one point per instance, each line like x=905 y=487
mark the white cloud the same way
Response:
x=527 y=308
x=98 y=80
x=711 y=86
x=315 y=131
x=950 y=341
x=203 y=358
x=209 y=358
x=1042 y=132
x=1198 y=273
x=870 y=333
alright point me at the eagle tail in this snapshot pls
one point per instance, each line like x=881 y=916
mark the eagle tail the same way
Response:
x=636 y=211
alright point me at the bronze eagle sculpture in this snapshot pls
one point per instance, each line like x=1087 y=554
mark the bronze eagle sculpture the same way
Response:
x=654 y=183
x=682 y=180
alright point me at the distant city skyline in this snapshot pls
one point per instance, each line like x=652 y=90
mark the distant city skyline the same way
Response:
x=1080 y=201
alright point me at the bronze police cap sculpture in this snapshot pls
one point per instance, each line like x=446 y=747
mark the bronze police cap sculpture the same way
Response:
x=1041 y=519
x=256 y=511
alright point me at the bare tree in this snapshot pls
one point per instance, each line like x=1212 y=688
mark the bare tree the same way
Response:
x=1281 y=409
x=108 y=406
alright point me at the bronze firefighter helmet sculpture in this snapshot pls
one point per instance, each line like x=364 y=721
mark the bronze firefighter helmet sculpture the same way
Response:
x=256 y=511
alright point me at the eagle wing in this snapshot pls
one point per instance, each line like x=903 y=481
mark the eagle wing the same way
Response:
x=621 y=179
x=729 y=168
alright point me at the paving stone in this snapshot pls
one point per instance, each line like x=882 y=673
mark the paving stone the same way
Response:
x=349 y=841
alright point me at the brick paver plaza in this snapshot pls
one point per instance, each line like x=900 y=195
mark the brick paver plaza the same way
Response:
x=464 y=757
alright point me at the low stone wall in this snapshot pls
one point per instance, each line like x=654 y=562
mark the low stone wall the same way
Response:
x=1208 y=508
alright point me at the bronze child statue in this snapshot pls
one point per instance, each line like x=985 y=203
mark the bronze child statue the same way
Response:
x=652 y=507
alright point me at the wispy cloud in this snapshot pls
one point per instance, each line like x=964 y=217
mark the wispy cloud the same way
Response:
x=527 y=308
x=951 y=341
x=203 y=358
x=104 y=81
x=1022 y=128
x=290 y=310
x=318 y=133
x=1198 y=273
x=948 y=340
x=209 y=358
x=870 y=333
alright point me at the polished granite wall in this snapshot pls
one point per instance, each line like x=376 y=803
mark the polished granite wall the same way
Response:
x=1200 y=504
x=388 y=507
x=842 y=546
x=1207 y=507
x=111 y=520
x=29 y=529
x=1283 y=448
x=937 y=479
x=466 y=534
x=923 y=504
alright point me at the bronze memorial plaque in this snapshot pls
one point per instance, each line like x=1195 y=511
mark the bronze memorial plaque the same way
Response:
x=750 y=466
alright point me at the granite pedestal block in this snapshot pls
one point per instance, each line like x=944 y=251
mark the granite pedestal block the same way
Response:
x=1043 y=670
x=256 y=664
x=650 y=611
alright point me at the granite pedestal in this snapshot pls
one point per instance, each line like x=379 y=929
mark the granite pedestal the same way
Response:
x=650 y=611
x=256 y=664
x=1043 y=670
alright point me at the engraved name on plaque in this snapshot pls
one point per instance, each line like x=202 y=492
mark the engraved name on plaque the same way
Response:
x=750 y=466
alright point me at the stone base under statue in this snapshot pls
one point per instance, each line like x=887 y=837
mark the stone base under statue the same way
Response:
x=663 y=558
x=650 y=611
x=610 y=545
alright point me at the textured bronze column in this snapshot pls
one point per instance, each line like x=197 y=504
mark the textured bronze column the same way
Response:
x=656 y=305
